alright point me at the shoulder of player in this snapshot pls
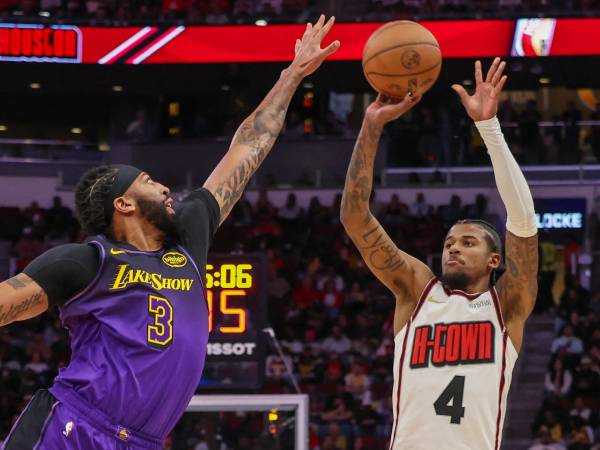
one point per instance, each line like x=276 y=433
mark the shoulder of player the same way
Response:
x=410 y=292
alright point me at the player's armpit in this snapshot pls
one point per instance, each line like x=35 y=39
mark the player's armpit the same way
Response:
x=21 y=298
x=400 y=272
x=517 y=288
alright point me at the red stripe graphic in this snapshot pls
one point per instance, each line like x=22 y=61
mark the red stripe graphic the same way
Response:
x=152 y=48
x=501 y=390
x=127 y=45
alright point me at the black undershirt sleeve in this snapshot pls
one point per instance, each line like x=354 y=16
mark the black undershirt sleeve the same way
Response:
x=63 y=271
x=197 y=218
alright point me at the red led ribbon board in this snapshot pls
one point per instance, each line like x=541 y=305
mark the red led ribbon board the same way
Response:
x=273 y=43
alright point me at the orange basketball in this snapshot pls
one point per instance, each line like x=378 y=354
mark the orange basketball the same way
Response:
x=401 y=57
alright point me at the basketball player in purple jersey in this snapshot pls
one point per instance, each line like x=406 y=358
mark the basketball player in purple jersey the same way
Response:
x=456 y=338
x=132 y=298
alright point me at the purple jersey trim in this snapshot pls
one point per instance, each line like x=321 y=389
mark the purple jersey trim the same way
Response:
x=180 y=247
x=96 y=277
x=45 y=426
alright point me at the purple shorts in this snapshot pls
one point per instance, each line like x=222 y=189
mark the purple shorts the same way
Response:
x=48 y=424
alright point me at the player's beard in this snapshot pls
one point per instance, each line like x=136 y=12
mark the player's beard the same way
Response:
x=456 y=280
x=156 y=213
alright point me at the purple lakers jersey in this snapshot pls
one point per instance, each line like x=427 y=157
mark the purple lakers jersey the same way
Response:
x=138 y=338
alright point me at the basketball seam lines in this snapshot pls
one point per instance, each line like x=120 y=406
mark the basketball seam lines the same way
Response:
x=390 y=25
x=405 y=74
x=400 y=46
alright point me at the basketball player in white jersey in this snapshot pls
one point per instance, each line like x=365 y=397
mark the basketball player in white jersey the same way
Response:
x=456 y=337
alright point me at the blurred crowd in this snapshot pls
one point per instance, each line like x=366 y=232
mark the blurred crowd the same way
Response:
x=333 y=317
x=218 y=12
x=569 y=417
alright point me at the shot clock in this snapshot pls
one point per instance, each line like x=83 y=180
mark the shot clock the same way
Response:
x=236 y=297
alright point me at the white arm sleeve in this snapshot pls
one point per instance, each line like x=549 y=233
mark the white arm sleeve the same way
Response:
x=511 y=183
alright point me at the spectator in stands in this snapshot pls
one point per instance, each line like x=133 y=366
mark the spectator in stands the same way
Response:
x=241 y=214
x=358 y=382
x=334 y=439
x=558 y=380
x=337 y=342
x=332 y=298
x=58 y=218
x=544 y=441
x=420 y=208
x=580 y=409
x=306 y=295
x=567 y=343
x=27 y=247
x=394 y=213
x=290 y=212
x=529 y=131
x=451 y=213
x=586 y=378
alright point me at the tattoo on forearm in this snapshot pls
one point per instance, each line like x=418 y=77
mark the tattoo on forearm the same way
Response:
x=521 y=274
x=16 y=310
x=19 y=281
x=359 y=180
x=379 y=251
x=258 y=132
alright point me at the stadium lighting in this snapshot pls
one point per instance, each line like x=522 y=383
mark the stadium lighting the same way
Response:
x=117 y=88
x=44 y=13
x=467 y=82
x=35 y=85
x=3 y=128
x=261 y=23
x=308 y=85
x=544 y=80
x=76 y=130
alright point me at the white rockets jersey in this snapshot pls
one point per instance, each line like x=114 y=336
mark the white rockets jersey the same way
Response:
x=453 y=364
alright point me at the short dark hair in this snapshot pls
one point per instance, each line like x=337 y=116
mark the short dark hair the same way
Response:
x=90 y=196
x=491 y=236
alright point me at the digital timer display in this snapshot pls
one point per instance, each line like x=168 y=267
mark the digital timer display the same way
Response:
x=236 y=298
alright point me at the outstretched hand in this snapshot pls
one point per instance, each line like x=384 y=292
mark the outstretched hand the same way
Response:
x=385 y=109
x=483 y=104
x=309 y=54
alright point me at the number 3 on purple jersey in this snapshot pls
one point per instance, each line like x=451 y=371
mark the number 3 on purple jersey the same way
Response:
x=160 y=333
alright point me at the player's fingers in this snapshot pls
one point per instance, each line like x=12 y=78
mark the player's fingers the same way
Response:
x=320 y=22
x=500 y=85
x=498 y=73
x=478 y=73
x=492 y=70
x=327 y=27
x=462 y=93
x=331 y=48
x=298 y=44
x=307 y=31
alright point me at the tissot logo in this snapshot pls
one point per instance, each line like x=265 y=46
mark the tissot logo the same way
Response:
x=38 y=43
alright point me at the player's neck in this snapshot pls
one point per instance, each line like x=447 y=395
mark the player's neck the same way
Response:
x=140 y=234
x=476 y=287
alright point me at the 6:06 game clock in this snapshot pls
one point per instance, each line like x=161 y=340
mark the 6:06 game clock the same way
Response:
x=236 y=296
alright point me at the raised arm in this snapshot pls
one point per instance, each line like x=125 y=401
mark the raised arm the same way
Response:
x=257 y=134
x=403 y=274
x=517 y=288
x=21 y=298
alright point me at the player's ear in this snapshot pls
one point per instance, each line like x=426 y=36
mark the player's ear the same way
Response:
x=124 y=204
x=494 y=260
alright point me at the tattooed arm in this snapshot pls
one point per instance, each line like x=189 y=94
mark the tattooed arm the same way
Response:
x=517 y=288
x=403 y=274
x=21 y=298
x=257 y=134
